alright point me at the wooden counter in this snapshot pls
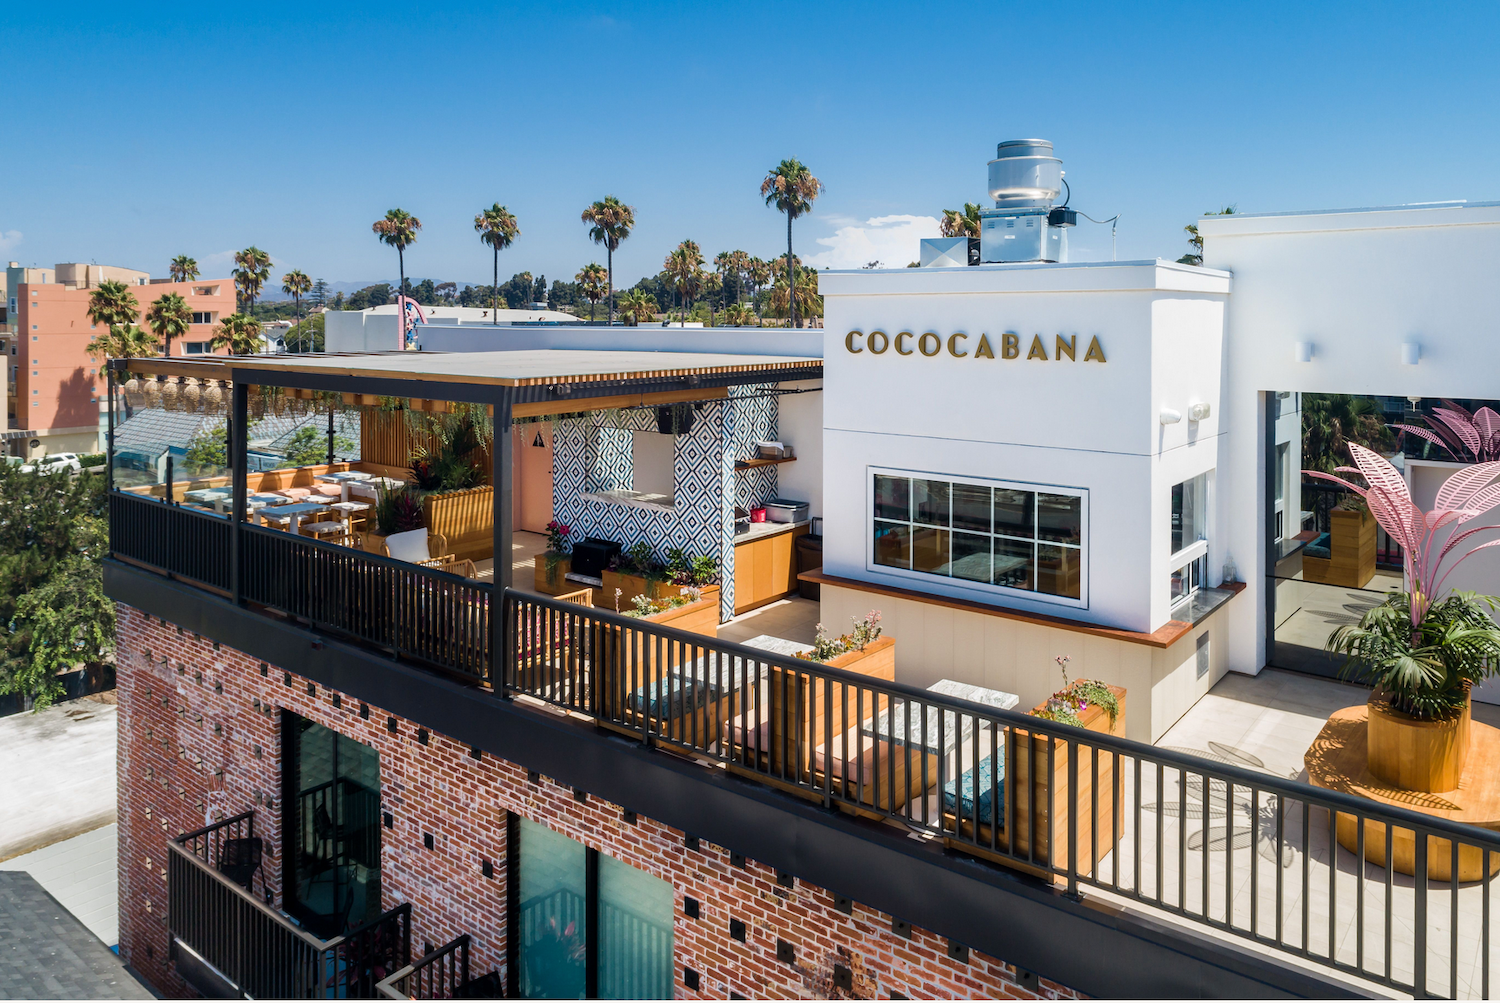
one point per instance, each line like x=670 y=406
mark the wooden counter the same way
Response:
x=765 y=564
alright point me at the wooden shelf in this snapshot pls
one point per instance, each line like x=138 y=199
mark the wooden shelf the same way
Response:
x=758 y=462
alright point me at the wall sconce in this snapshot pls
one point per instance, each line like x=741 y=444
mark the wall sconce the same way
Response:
x=1199 y=411
x=538 y=440
x=1411 y=353
x=1170 y=416
x=1304 y=351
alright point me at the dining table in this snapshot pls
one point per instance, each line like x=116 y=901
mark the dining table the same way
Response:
x=291 y=513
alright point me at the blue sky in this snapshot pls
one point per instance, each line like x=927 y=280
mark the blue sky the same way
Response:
x=139 y=133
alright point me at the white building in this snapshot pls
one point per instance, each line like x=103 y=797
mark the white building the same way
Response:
x=375 y=330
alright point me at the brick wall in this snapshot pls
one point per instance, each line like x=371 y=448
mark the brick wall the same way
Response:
x=199 y=740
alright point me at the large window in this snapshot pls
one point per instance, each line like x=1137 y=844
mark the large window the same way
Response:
x=1189 y=537
x=590 y=926
x=991 y=535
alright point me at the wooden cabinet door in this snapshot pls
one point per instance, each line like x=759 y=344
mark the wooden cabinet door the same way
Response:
x=765 y=585
x=744 y=576
x=783 y=580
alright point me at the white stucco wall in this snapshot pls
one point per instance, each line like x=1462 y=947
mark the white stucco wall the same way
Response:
x=1074 y=424
x=1356 y=285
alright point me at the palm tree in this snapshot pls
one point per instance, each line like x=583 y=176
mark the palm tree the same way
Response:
x=496 y=227
x=183 y=269
x=1195 y=239
x=1331 y=421
x=398 y=228
x=610 y=221
x=759 y=272
x=240 y=333
x=113 y=304
x=683 y=268
x=738 y=315
x=296 y=285
x=169 y=317
x=591 y=279
x=123 y=341
x=791 y=188
x=638 y=305
x=807 y=293
x=961 y=224
x=713 y=286
x=252 y=268
x=736 y=263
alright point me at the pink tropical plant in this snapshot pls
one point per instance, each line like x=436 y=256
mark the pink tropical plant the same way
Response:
x=1422 y=650
x=1468 y=438
x=1427 y=539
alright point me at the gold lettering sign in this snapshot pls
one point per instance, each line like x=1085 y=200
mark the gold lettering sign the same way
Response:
x=930 y=344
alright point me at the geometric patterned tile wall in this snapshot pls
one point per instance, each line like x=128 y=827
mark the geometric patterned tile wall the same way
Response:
x=593 y=453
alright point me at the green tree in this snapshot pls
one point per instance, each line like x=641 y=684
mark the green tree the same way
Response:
x=759 y=273
x=1331 y=421
x=306 y=336
x=684 y=268
x=961 y=223
x=319 y=295
x=591 y=279
x=1195 y=239
x=309 y=445
x=497 y=229
x=71 y=622
x=637 y=306
x=398 y=228
x=238 y=332
x=791 y=188
x=114 y=306
x=252 y=268
x=169 y=317
x=296 y=285
x=183 y=269
x=610 y=222
x=376 y=295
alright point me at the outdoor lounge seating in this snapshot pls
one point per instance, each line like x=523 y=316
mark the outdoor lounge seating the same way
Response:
x=418 y=546
x=875 y=771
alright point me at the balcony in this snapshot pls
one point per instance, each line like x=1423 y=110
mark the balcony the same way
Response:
x=1222 y=848
x=228 y=942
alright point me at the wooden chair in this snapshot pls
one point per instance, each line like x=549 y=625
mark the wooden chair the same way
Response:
x=417 y=546
x=332 y=531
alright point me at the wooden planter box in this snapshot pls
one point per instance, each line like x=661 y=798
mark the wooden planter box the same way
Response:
x=553 y=583
x=800 y=713
x=466 y=519
x=1351 y=548
x=631 y=586
x=1028 y=780
x=629 y=663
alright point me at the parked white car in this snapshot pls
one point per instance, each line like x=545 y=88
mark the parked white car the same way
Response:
x=53 y=463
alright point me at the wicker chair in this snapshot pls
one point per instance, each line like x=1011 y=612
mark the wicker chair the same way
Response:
x=413 y=544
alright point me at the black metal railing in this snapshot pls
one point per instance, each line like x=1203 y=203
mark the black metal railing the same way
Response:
x=259 y=951
x=1287 y=865
x=185 y=542
x=443 y=974
x=425 y=614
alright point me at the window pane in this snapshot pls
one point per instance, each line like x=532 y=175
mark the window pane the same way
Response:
x=1059 y=571
x=930 y=499
x=634 y=933
x=971 y=508
x=929 y=550
x=893 y=498
x=971 y=557
x=1189 y=512
x=1014 y=564
x=553 y=887
x=1059 y=518
x=892 y=544
x=1013 y=513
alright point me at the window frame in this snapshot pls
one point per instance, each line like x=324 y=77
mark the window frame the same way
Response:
x=1197 y=550
x=986 y=590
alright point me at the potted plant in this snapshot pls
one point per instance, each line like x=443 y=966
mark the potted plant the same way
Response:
x=551 y=567
x=861 y=650
x=1347 y=556
x=634 y=572
x=460 y=504
x=396 y=511
x=1421 y=649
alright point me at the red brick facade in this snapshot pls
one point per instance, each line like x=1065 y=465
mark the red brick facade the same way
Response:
x=199 y=739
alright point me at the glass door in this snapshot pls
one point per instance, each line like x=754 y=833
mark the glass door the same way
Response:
x=332 y=810
x=589 y=926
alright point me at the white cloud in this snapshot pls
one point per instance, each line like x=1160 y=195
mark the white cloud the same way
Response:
x=890 y=240
x=9 y=239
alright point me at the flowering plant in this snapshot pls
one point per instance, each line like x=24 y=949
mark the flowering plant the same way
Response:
x=826 y=647
x=645 y=606
x=1067 y=705
x=557 y=537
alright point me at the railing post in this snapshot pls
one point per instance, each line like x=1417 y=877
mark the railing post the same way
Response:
x=239 y=479
x=500 y=479
x=109 y=442
x=1072 y=805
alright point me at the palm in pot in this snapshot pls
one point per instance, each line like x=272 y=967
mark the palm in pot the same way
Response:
x=1423 y=648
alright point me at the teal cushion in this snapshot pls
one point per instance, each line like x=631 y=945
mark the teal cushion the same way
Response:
x=991 y=786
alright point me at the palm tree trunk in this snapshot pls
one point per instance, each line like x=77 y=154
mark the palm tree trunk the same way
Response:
x=495 y=291
x=791 y=274
x=609 y=256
